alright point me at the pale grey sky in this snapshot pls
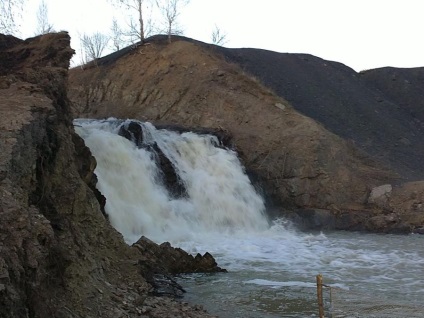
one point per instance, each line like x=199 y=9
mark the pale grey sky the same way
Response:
x=362 y=34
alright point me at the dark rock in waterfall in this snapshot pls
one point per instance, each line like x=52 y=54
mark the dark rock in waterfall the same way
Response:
x=133 y=131
x=168 y=175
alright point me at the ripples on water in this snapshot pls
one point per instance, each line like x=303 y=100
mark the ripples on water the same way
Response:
x=273 y=274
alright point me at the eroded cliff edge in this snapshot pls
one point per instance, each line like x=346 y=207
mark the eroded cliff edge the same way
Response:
x=59 y=256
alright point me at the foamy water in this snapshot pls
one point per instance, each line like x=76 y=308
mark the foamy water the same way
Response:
x=272 y=267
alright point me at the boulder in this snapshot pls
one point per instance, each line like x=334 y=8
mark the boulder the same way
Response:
x=380 y=195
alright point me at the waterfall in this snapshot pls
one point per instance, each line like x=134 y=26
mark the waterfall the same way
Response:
x=205 y=202
x=218 y=196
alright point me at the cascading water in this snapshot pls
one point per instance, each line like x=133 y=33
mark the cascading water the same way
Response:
x=220 y=197
x=271 y=267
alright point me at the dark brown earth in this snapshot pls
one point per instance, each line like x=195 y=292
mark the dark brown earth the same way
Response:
x=381 y=111
x=59 y=256
x=403 y=86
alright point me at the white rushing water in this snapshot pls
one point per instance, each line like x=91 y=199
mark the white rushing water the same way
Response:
x=271 y=267
x=220 y=197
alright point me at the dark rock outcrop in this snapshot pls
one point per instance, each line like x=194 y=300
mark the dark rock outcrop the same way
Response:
x=161 y=262
x=166 y=259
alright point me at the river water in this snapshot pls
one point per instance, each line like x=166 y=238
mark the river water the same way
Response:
x=273 y=274
x=271 y=266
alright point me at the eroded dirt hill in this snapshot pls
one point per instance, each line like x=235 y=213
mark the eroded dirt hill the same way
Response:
x=299 y=163
x=380 y=110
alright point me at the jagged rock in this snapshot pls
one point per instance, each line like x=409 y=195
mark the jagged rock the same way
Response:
x=165 y=259
x=160 y=262
x=86 y=164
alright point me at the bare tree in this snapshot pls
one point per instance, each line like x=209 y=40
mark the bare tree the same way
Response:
x=9 y=9
x=138 y=29
x=170 y=10
x=218 y=37
x=92 y=46
x=116 y=35
x=133 y=32
x=43 y=25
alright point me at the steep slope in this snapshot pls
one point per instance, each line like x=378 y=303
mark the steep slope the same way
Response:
x=403 y=86
x=376 y=120
x=59 y=257
x=54 y=240
x=298 y=160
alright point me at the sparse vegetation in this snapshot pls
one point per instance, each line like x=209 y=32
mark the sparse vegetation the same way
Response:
x=9 y=10
x=170 y=10
x=140 y=29
x=43 y=24
x=218 y=37
x=93 y=46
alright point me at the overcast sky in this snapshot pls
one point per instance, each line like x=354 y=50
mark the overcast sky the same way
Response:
x=362 y=34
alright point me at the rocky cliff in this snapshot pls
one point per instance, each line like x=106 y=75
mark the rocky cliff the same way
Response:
x=59 y=256
x=324 y=179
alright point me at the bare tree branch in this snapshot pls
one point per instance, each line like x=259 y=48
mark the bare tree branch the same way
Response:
x=218 y=38
x=9 y=10
x=170 y=10
x=137 y=30
x=93 y=45
x=43 y=25
x=116 y=35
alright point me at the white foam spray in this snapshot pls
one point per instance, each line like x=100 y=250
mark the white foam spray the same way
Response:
x=221 y=198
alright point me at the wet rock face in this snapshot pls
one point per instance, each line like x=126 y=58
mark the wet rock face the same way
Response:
x=132 y=132
x=86 y=164
x=169 y=177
